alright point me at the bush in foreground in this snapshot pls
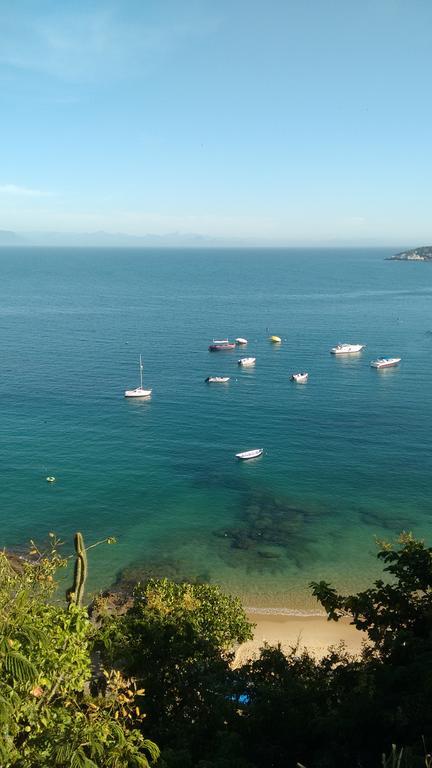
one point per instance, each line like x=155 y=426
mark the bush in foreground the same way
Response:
x=177 y=641
x=47 y=716
x=337 y=711
x=169 y=659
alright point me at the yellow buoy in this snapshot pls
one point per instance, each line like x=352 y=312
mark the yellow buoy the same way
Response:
x=275 y=339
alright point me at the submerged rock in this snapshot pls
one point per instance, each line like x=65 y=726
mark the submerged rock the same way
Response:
x=269 y=554
x=170 y=568
x=269 y=528
x=240 y=540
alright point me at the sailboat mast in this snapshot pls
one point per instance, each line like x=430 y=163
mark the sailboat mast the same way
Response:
x=141 y=370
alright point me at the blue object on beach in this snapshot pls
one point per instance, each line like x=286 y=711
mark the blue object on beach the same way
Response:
x=241 y=698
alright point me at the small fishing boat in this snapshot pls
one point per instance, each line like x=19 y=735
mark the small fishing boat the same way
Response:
x=240 y=342
x=275 y=339
x=245 y=455
x=246 y=362
x=346 y=349
x=385 y=362
x=217 y=379
x=139 y=391
x=299 y=378
x=221 y=345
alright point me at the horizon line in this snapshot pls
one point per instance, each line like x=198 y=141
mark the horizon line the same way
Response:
x=206 y=246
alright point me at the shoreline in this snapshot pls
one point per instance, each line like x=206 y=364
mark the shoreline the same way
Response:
x=252 y=610
x=304 y=631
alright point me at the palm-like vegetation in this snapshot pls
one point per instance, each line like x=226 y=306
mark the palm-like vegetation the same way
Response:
x=47 y=716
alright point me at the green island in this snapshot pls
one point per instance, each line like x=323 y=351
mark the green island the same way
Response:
x=147 y=678
x=424 y=253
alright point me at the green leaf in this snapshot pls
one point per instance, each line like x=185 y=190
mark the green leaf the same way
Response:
x=79 y=760
x=63 y=753
x=21 y=669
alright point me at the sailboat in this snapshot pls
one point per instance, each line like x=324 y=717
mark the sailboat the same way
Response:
x=139 y=391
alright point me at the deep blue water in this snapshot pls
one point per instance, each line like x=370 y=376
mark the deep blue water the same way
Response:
x=347 y=456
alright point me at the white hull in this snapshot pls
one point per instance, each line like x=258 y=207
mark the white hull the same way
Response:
x=217 y=379
x=241 y=342
x=138 y=392
x=389 y=362
x=247 y=362
x=245 y=455
x=300 y=378
x=347 y=349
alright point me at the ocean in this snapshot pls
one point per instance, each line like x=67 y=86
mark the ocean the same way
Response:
x=347 y=456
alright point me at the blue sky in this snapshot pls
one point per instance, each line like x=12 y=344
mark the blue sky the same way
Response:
x=284 y=121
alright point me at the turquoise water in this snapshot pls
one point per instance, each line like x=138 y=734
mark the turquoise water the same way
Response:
x=347 y=455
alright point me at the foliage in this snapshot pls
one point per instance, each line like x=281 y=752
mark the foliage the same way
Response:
x=396 y=616
x=167 y=674
x=175 y=640
x=395 y=673
x=295 y=713
x=337 y=711
x=47 y=716
x=209 y=612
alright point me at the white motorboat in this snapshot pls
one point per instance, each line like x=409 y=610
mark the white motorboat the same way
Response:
x=217 y=379
x=300 y=378
x=245 y=455
x=346 y=349
x=246 y=362
x=385 y=362
x=241 y=341
x=139 y=391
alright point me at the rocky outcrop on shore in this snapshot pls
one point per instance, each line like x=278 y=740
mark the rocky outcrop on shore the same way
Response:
x=424 y=253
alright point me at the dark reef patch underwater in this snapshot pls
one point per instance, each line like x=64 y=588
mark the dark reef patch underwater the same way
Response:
x=179 y=570
x=268 y=529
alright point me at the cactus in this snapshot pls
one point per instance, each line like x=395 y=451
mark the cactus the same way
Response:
x=76 y=593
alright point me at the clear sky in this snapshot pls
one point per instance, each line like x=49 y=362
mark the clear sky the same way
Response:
x=279 y=120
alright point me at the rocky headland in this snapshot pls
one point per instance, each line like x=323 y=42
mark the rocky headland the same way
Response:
x=424 y=253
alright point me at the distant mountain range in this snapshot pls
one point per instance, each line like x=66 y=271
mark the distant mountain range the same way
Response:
x=10 y=238
x=102 y=239
x=424 y=253
x=107 y=239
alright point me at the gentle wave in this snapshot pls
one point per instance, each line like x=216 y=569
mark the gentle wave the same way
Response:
x=282 y=611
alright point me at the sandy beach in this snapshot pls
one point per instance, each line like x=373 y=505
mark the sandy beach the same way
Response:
x=312 y=632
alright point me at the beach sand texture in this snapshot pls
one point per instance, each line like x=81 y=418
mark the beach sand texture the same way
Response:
x=313 y=633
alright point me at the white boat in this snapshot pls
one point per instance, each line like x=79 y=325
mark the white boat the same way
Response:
x=246 y=362
x=300 y=378
x=385 y=362
x=346 y=349
x=139 y=391
x=241 y=341
x=245 y=455
x=217 y=379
